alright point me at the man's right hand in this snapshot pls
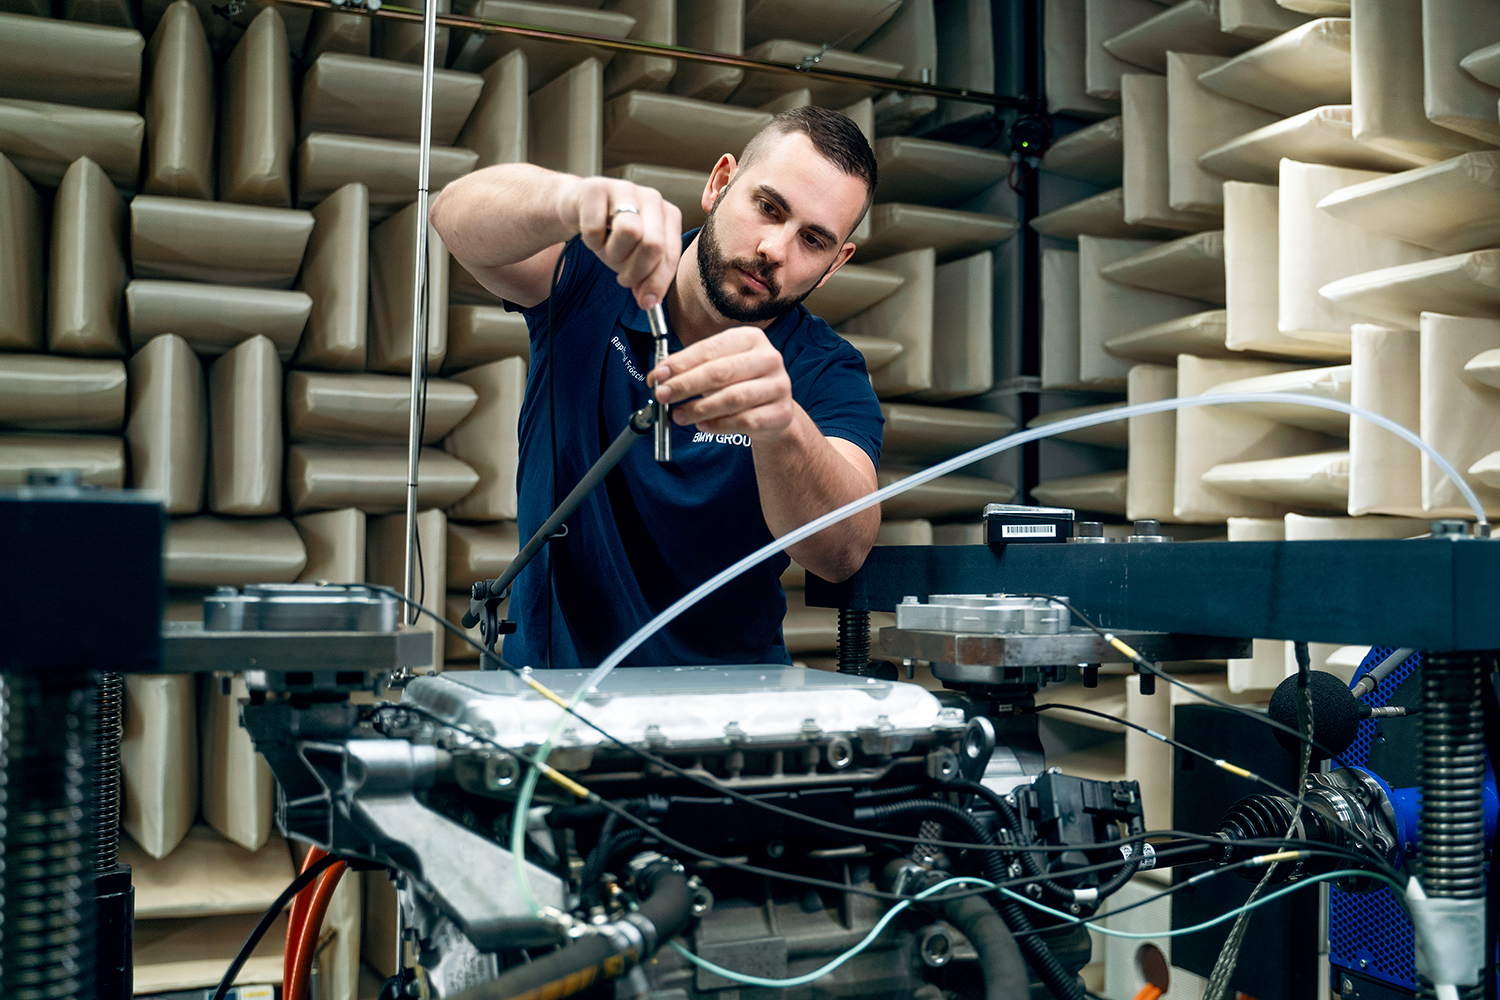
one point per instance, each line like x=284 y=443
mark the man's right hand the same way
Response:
x=633 y=229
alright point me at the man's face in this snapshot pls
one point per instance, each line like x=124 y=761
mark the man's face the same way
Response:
x=776 y=230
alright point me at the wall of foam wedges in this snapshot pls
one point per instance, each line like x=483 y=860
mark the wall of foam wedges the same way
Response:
x=206 y=232
x=1271 y=196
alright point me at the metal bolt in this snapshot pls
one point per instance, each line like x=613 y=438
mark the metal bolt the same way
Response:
x=1148 y=530
x=775 y=849
x=934 y=946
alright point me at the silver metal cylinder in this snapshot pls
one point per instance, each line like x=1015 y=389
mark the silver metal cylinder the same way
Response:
x=419 y=304
x=657 y=316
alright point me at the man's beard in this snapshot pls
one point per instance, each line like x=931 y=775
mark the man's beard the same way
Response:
x=717 y=273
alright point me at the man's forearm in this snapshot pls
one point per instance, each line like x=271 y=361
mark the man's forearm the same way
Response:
x=801 y=475
x=502 y=215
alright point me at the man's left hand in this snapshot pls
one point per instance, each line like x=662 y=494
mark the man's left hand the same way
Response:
x=738 y=379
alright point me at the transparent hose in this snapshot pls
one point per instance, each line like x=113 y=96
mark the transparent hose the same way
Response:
x=994 y=448
x=816 y=525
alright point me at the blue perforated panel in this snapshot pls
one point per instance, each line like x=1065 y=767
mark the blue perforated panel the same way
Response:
x=1369 y=932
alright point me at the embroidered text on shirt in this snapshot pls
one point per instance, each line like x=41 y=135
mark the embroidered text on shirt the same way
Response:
x=625 y=356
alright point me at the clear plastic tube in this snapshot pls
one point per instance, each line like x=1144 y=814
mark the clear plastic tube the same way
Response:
x=816 y=525
x=994 y=448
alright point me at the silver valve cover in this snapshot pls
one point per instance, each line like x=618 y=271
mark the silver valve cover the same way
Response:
x=1005 y=613
x=682 y=708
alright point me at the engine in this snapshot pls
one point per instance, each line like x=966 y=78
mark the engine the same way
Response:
x=705 y=782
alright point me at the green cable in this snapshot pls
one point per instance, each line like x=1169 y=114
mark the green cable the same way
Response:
x=808 y=977
x=890 y=914
x=523 y=806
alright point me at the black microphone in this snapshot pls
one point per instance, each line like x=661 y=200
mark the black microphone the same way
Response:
x=1336 y=713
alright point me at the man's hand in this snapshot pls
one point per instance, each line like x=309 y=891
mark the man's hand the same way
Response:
x=739 y=379
x=636 y=232
x=735 y=382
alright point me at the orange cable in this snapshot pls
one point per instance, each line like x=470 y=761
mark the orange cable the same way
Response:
x=312 y=927
x=298 y=914
x=1149 y=992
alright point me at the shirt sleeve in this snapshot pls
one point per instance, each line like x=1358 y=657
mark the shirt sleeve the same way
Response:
x=835 y=391
x=580 y=267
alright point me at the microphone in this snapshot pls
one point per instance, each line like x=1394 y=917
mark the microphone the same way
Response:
x=1336 y=712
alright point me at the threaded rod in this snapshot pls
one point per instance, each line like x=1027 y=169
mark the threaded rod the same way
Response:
x=854 y=641
x=1450 y=835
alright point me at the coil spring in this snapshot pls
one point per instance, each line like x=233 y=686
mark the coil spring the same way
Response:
x=107 y=719
x=1451 y=831
x=46 y=910
x=854 y=641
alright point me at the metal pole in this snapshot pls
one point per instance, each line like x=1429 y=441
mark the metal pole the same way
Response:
x=636 y=47
x=419 y=306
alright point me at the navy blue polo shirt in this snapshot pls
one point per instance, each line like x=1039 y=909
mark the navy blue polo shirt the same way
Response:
x=652 y=532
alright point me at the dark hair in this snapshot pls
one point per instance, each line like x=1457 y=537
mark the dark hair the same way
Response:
x=832 y=134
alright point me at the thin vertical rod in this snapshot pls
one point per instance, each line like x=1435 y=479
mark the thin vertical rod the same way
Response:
x=419 y=305
x=1030 y=247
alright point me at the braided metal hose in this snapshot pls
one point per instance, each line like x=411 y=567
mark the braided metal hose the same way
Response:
x=47 y=913
x=1450 y=834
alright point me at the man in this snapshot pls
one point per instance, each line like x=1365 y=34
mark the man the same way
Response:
x=774 y=419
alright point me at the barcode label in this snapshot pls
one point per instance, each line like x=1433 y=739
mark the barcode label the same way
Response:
x=1012 y=530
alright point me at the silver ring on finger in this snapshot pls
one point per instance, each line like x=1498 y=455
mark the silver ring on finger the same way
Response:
x=624 y=208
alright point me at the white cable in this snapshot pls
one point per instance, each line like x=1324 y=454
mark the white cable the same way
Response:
x=816 y=525
x=994 y=448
